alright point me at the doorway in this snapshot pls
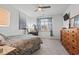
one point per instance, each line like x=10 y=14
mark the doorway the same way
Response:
x=45 y=27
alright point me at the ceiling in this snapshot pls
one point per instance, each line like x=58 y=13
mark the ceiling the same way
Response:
x=29 y=9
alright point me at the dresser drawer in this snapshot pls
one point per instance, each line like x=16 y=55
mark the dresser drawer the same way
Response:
x=73 y=42
x=73 y=36
x=74 y=50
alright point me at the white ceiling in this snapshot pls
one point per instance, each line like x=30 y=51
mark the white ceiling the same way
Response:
x=54 y=10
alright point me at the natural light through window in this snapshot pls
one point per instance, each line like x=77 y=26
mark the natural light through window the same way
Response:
x=4 y=18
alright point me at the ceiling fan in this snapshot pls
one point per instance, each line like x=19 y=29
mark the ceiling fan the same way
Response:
x=42 y=7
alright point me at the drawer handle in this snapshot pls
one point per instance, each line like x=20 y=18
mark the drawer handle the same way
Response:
x=73 y=41
x=72 y=54
x=72 y=31
x=73 y=47
x=73 y=35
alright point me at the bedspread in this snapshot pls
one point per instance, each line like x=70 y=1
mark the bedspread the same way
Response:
x=23 y=44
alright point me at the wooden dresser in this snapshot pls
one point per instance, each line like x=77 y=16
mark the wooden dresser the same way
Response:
x=70 y=40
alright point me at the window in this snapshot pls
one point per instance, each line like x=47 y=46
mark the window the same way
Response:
x=76 y=21
x=44 y=25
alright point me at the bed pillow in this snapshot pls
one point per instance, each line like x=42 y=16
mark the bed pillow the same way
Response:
x=2 y=40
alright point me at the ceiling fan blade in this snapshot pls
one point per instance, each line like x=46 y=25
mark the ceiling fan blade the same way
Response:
x=40 y=8
x=44 y=7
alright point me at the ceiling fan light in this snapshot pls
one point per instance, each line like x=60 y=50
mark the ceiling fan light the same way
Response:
x=39 y=9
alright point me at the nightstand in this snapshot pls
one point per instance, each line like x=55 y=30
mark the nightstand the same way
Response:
x=6 y=49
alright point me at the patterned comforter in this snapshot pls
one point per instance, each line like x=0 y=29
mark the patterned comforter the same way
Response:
x=24 y=44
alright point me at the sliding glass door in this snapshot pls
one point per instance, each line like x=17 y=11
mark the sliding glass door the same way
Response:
x=45 y=26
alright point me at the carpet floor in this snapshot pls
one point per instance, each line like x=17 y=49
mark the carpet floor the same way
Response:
x=51 y=47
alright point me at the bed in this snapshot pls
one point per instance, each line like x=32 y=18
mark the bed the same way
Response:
x=24 y=44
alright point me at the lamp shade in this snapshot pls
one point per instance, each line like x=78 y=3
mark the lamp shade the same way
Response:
x=4 y=17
